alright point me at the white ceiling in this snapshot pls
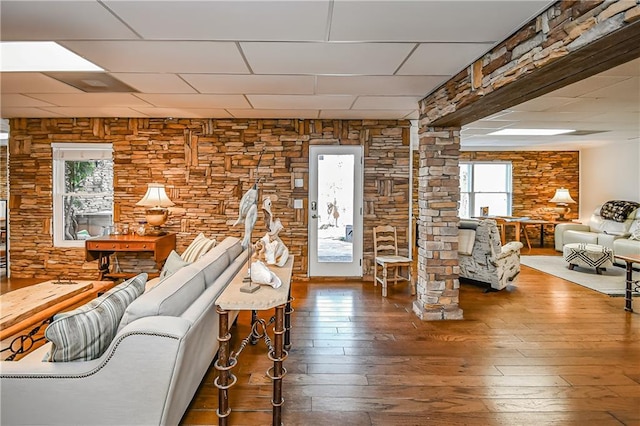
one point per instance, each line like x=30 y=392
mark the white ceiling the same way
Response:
x=607 y=103
x=338 y=59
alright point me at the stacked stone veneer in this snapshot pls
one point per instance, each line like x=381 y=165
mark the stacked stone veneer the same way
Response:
x=559 y=32
x=439 y=193
x=510 y=73
x=206 y=166
x=3 y=172
x=536 y=176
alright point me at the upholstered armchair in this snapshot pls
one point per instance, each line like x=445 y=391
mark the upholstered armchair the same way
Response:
x=483 y=258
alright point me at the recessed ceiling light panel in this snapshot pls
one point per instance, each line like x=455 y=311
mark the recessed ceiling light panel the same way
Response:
x=18 y=56
x=531 y=132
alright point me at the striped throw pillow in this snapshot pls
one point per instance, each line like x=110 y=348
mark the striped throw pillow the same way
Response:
x=198 y=247
x=86 y=332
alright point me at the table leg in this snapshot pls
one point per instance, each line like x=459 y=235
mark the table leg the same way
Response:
x=225 y=379
x=103 y=265
x=287 y=323
x=628 y=301
x=541 y=235
x=278 y=371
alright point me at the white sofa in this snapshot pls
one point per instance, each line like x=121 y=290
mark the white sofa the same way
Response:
x=483 y=258
x=603 y=232
x=152 y=368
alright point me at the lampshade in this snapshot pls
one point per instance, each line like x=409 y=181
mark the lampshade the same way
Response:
x=155 y=197
x=156 y=201
x=562 y=196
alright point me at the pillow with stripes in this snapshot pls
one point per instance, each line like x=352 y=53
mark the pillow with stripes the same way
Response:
x=85 y=333
x=198 y=247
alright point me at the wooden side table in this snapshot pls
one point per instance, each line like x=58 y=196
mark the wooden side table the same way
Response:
x=102 y=247
x=630 y=283
x=266 y=298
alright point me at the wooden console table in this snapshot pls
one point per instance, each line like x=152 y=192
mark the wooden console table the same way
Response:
x=267 y=297
x=24 y=312
x=102 y=247
x=630 y=283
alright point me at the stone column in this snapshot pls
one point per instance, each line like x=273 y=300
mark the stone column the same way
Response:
x=438 y=195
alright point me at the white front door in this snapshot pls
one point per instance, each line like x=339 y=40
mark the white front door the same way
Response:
x=335 y=211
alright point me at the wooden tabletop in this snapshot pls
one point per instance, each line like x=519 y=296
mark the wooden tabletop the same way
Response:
x=628 y=258
x=22 y=303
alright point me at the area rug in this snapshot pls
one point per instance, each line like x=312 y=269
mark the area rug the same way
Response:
x=611 y=282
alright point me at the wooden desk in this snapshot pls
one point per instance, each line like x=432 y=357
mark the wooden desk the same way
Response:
x=23 y=312
x=630 y=283
x=102 y=247
x=265 y=298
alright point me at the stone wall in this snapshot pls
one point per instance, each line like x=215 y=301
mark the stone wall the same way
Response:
x=206 y=166
x=536 y=176
x=3 y=172
x=556 y=34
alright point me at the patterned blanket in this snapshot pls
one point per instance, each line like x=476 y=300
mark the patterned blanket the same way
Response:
x=618 y=210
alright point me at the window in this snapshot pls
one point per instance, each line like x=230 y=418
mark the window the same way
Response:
x=485 y=185
x=82 y=192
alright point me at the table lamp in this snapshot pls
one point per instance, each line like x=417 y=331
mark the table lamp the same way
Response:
x=156 y=201
x=562 y=198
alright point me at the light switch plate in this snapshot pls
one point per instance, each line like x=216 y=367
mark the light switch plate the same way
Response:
x=298 y=183
x=297 y=204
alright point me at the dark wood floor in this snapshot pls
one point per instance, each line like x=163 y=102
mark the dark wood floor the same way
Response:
x=544 y=352
x=547 y=352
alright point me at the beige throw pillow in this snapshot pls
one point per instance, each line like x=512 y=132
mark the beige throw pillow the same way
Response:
x=198 y=247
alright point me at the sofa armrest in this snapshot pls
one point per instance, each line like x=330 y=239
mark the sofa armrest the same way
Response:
x=128 y=384
x=508 y=249
x=562 y=227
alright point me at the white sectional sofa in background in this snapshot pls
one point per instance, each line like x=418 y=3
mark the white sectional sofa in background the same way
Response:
x=617 y=236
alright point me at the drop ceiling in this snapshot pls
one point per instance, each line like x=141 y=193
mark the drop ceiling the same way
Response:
x=335 y=59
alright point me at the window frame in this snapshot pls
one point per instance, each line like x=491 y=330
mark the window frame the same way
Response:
x=471 y=193
x=62 y=152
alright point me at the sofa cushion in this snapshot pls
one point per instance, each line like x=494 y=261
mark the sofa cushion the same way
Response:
x=170 y=297
x=172 y=264
x=466 y=238
x=198 y=247
x=618 y=210
x=85 y=333
x=217 y=259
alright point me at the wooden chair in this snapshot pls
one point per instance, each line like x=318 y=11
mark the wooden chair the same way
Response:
x=385 y=249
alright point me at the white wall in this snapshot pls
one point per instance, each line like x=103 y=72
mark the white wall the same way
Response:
x=610 y=172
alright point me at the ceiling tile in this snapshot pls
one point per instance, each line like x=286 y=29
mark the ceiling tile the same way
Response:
x=95 y=111
x=275 y=113
x=544 y=103
x=598 y=105
x=627 y=89
x=326 y=58
x=21 y=101
x=226 y=20
x=196 y=101
x=183 y=112
x=9 y=112
x=586 y=87
x=91 y=99
x=465 y=21
x=442 y=58
x=252 y=84
x=301 y=101
x=32 y=82
x=379 y=85
x=155 y=83
x=386 y=102
x=353 y=114
x=162 y=56
x=56 y=20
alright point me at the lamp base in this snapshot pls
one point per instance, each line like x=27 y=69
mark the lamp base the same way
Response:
x=562 y=210
x=155 y=232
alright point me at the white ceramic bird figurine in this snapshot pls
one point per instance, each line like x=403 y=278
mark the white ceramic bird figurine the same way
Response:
x=249 y=223
x=248 y=199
